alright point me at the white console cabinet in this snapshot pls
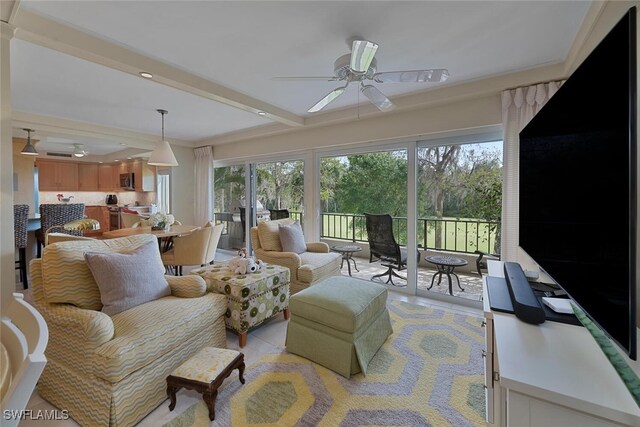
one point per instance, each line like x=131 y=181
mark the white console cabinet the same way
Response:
x=549 y=375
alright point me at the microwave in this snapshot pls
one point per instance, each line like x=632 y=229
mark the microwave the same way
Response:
x=127 y=181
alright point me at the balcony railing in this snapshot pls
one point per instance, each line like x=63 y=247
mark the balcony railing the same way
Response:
x=443 y=234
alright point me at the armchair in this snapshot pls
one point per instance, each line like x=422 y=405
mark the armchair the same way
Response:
x=111 y=370
x=197 y=248
x=307 y=268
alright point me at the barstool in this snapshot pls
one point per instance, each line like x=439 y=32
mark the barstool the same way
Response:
x=20 y=215
x=57 y=215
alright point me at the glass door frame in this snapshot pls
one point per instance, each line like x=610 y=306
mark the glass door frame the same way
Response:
x=471 y=136
x=411 y=150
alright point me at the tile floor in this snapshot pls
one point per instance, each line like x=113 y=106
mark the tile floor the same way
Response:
x=267 y=338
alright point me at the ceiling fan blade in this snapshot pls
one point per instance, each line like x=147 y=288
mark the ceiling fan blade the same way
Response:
x=362 y=53
x=327 y=99
x=302 y=79
x=414 y=76
x=377 y=98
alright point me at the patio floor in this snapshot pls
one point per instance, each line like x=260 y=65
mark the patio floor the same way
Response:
x=471 y=283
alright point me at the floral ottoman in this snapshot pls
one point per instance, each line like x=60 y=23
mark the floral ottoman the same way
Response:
x=251 y=298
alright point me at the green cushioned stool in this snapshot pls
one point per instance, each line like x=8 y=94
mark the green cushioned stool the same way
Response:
x=339 y=323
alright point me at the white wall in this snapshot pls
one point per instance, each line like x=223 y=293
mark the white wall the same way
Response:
x=183 y=184
x=465 y=114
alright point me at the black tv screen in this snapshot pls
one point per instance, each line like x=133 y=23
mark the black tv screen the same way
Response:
x=578 y=185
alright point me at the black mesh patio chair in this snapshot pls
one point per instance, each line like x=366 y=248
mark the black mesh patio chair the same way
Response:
x=20 y=215
x=275 y=214
x=383 y=247
x=58 y=215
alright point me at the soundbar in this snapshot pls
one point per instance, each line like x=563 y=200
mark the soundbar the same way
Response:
x=525 y=304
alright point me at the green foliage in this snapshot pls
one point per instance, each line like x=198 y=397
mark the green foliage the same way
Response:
x=374 y=183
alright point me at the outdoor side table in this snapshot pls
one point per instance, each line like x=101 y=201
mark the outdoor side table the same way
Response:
x=445 y=265
x=252 y=298
x=347 y=252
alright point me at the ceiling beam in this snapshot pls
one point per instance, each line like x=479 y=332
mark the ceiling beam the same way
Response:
x=46 y=32
x=55 y=126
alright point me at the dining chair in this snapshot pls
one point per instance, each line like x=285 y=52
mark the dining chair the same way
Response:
x=56 y=215
x=128 y=219
x=20 y=219
x=196 y=248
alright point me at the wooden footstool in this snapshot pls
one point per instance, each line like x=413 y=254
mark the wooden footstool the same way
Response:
x=204 y=373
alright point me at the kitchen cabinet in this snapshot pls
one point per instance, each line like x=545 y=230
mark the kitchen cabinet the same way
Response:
x=87 y=177
x=99 y=213
x=108 y=177
x=57 y=176
x=144 y=175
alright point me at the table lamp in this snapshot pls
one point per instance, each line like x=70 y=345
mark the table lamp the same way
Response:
x=84 y=224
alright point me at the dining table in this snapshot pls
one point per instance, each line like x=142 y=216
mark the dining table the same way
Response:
x=165 y=237
x=173 y=231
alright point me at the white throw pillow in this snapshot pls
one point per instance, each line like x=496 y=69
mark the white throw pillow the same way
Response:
x=128 y=279
x=292 y=238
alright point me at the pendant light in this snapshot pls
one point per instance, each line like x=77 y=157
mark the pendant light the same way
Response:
x=29 y=149
x=79 y=151
x=162 y=155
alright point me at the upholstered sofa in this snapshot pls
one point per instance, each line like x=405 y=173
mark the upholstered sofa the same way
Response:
x=307 y=268
x=111 y=371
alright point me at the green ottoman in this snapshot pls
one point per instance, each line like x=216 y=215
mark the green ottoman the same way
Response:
x=339 y=323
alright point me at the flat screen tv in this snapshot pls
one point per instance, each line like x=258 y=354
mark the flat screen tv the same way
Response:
x=578 y=185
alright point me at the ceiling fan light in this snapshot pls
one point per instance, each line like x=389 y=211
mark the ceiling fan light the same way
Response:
x=78 y=150
x=29 y=149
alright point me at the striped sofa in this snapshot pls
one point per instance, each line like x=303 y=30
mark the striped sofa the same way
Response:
x=307 y=268
x=111 y=371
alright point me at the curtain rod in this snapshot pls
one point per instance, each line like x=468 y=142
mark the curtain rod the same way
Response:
x=534 y=84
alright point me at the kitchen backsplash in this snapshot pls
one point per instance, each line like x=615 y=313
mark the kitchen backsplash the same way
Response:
x=92 y=198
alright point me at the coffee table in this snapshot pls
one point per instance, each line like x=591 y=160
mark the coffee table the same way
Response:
x=347 y=252
x=251 y=298
x=445 y=265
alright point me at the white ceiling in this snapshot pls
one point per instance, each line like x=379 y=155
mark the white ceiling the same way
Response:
x=242 y=44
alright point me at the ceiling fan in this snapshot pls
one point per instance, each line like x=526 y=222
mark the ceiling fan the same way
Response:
x=79 y=151
x=360 y=66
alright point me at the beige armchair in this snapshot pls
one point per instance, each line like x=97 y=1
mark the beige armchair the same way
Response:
x=112 y=370
x=307 y=268
x=197 y=248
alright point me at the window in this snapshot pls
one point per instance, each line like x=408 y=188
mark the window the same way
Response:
x=163 y=190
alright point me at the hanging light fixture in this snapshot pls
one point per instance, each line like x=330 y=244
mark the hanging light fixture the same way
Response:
x=29 y=149
x=162 y=155
x=79 y=150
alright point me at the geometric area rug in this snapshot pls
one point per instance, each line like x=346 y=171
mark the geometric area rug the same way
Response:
x=428 y=373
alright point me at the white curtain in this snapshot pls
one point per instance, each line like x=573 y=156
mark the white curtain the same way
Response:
x=518 y=108
x=204 y=184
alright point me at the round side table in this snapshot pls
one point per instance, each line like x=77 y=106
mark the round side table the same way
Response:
x=445 y=265
x=347 y=252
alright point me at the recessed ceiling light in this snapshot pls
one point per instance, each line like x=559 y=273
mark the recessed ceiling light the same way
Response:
x=262 y=113
x=146 y=75
x=100 y=162
x=129 y=158
x=116 y=160
x=123 y=144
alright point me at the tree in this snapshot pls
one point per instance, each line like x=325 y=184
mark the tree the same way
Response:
x=331 y=171
x=374 y=183
x=435 y=165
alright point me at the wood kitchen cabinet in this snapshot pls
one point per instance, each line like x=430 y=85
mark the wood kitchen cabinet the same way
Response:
x=99 y=213
x=144 y=175
x=108 y=178
x=57 y=176
x=87 y=177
